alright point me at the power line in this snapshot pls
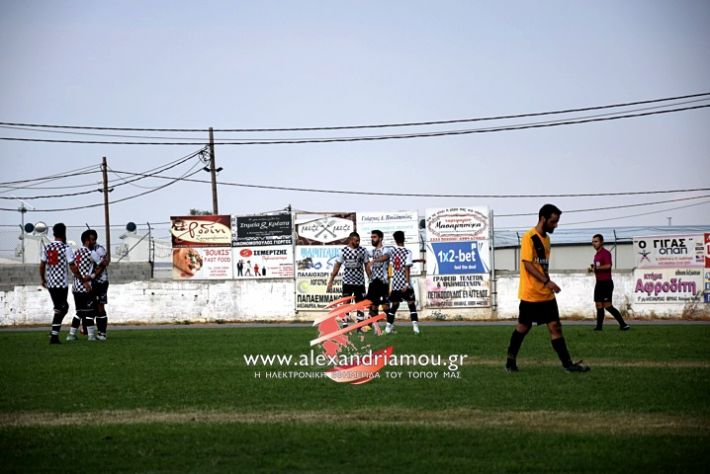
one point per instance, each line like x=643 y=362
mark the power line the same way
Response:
x=64 y=174
x=640 y=214
x=435 y=195
x=237 y=142
x=349 y=127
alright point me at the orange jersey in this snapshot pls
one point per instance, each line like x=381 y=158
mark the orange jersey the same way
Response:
x=536 y=249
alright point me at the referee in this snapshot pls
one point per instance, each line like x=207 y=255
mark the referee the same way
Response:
x=604 y=288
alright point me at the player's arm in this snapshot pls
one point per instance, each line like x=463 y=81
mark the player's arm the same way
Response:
x=336 y=269
x=545 y=279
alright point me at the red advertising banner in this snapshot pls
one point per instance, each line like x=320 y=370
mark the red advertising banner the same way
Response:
x=201 y=231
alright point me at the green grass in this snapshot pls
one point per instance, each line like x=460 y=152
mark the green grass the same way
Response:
x=183 y=400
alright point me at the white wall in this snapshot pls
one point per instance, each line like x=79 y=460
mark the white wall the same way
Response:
x=153 y=302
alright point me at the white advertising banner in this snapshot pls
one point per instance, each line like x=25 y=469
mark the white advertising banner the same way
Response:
x=197 y=263
x=668 y=285
x=314 y=264
x=456 y=224
x=458 y=291
x=388 y=223
x=670 y=251
x=274 y=261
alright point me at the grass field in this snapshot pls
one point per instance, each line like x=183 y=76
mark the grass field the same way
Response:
x=183 y=400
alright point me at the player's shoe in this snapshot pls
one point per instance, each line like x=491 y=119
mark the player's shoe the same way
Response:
x=577 y=367
x=54 y=339
x=625 y=327
x=101 y=337
x=92 y=337
x=598 y=328
x=389 y=328
x=415 y=328
x=71 y=338
x=511 y=366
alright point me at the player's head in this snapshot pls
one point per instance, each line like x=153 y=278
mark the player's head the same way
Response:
x=93 y=236
x=354 y=239
x=376 y=237
x=549 y=217
x=597 y=241
x=398 y=237
x=86 y=238
x=60 y=231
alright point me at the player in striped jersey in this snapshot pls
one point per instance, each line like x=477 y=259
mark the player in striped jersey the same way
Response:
x=56 y=258
x=100 y=284
x=402 y=289
x=83 y=295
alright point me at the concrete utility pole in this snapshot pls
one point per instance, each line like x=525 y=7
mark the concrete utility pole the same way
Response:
x=213 y=172
x=104 y=172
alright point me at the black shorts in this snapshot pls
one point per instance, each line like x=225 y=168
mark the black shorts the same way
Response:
x=377 y=292
x=538 y=312
x=84 y=303
x=59 y=299
x=603 y=291
x=357 y=290
x=100 y=290
x=398 y=296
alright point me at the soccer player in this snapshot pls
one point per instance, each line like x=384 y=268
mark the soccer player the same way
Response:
x=55 y=259
x=84 y=299
x=378 y=290
x=354 y=258
x=99 y=285
x=402 y=289
x=537 y=292
x=604 y=287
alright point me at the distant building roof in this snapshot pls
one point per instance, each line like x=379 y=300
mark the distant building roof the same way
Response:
x=510 y=238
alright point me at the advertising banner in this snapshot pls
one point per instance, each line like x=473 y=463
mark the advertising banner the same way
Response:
x=201 y=231
x=195 y=263
x=457 y=224
x=457 y=258
x=667 y=285
x=670 y=251
x=252 y=231
x=458 y=291
x=324 y=229
x=388 y=223
x=314 y=264
x=707 y=285
x=707 y=250
x=274 y=261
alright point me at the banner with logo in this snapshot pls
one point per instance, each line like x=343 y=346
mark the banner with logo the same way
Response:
x=388 y=223
x=201 y=231
x=668 y=285
x=457 y=224
x=458 y=257
x=314 y=264
x=274 y=261
x=202 y=263
x=267 y=230
x=670 y=251
x=324 y=228
x=707 y=250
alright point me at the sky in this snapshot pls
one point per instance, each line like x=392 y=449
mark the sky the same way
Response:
x=247 y=65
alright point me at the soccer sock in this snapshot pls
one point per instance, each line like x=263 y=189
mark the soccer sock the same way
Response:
x=617 y=315
x=413 y=312
x=57 y=323
x=600 y=317
x=101 y=322
x=75 y=322
x=391 y=313
x=561 y=348
x=516 y=340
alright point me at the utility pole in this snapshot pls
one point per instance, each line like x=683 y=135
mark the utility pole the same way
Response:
x=213 y=172
x=104 y=172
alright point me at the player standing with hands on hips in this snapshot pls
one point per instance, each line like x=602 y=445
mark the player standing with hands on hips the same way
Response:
x=604 y=287
x=537 y=292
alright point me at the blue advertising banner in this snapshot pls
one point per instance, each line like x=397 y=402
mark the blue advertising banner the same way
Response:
x=457 y=258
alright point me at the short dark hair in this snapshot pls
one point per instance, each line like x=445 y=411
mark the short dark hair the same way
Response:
x=354 y=234
x=93 y=233
x=85 y=236
x=59 y=230
x=598 y=236
x=548 y=210
x=378 y=233
x=398 y=237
